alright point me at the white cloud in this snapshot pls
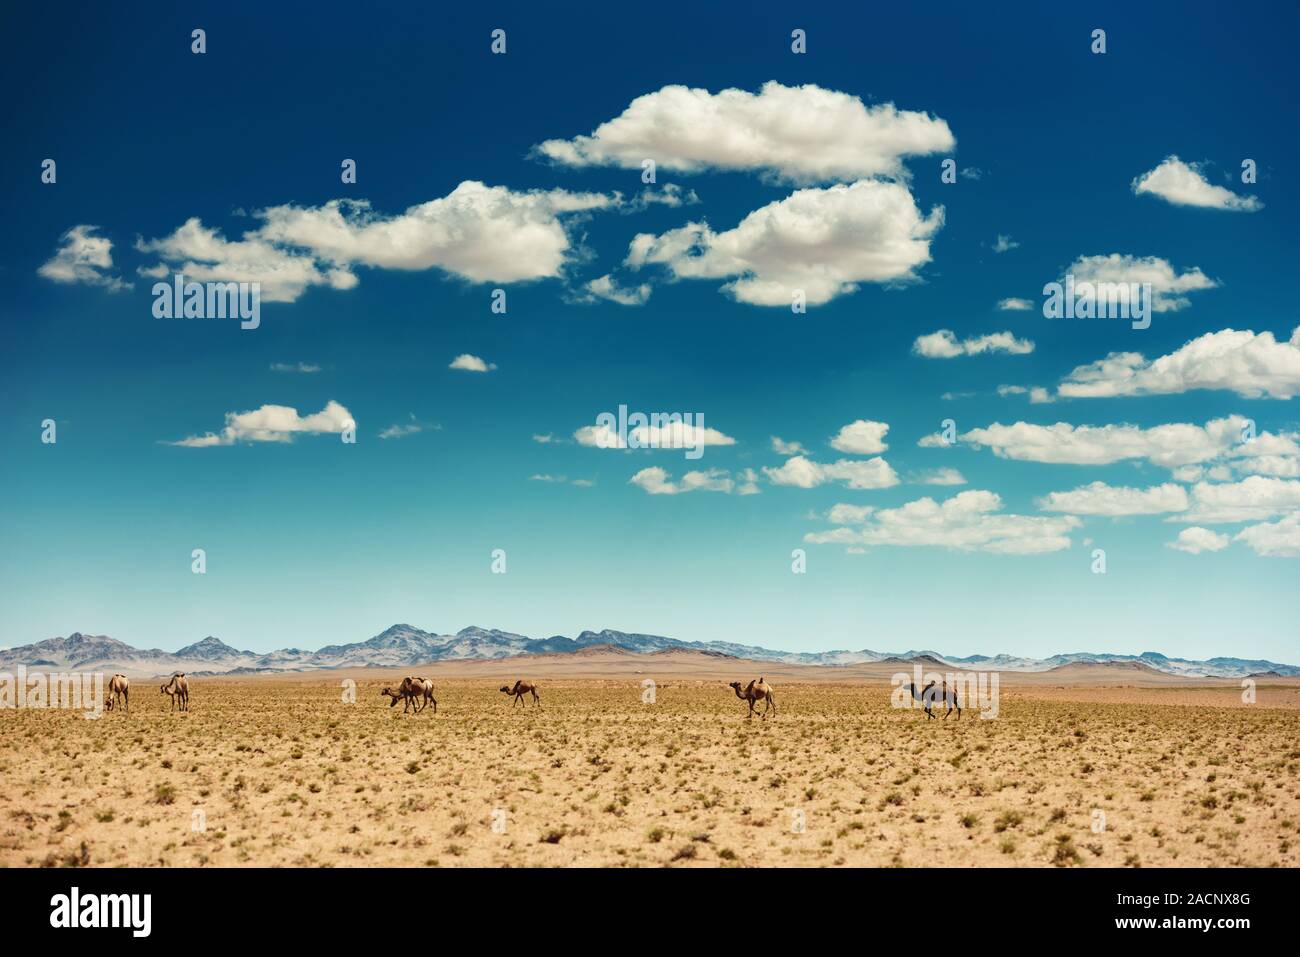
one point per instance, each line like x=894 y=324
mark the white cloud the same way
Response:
x=477 y=232
x=862 y=437
x=273 y=423
x=748 y=482
x=804 y=134
x=1004 y=244
x=303 y=367
x=670 y=435
x=968 y=521
x=604 y=287
x=1184 y=184
x=412 y=426
x=1267 y=444
x=204 y=255
x=561 y=480
x=1281 y=466
x=802 y=472
x=1195 y=540
x=657 y=481
x=1169 y=288
x=1279 y=539
x=1037 y=394
x=1099 y=498
x=1240 y=361
x=670 y=195
x=1254 y=498
x=945 y=345
x=469 y=363
x=782 y=447
x=820 y=241
x=1014 y=304
x=82 y=257
x=943 y=476
x=842 y=514
x=1166 y=445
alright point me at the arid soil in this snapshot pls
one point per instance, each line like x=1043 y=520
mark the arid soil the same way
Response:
x=1106 y=768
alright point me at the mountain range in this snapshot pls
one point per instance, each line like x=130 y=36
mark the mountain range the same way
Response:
x=406 y=645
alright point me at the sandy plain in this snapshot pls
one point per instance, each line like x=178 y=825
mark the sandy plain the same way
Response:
x=1083 y=766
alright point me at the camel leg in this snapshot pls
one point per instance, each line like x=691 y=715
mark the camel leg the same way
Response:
x=435 y=705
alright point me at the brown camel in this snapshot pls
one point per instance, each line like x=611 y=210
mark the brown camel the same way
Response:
x=424 y=688
x=119 y=690
x=179 y=689
x=755 y=692
x=412 y=691
x=520 y=689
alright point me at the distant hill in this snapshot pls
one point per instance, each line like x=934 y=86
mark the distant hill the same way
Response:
x=405 y=645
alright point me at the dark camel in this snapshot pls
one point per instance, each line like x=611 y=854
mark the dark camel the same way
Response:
x=929 y=696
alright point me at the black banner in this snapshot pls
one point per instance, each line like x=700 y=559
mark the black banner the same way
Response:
x=337 y=906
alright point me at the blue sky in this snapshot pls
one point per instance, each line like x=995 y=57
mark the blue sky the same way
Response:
x=311 y=540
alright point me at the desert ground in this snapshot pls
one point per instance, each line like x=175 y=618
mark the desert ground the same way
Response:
x=1083 y=767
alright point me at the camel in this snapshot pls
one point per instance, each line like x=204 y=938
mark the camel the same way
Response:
x=755 y=692
x=412 y=691
x=179 y=689
x=929 y=696
x=119 y=690
x=424 y=688
x=404 y=694
x=520 y=689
